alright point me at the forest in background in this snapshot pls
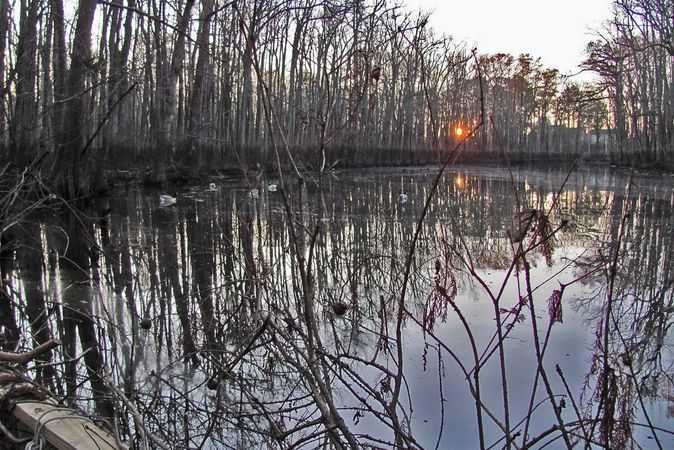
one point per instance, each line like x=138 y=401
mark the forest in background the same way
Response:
x=153 y=85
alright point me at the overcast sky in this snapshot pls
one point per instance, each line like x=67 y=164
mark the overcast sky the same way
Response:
x=555 y=30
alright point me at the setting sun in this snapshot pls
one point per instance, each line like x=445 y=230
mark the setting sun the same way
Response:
x=458 y=131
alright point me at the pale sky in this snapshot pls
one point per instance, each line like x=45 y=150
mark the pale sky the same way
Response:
x=554 y=30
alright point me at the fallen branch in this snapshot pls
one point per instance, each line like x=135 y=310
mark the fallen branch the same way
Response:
x=22 y=358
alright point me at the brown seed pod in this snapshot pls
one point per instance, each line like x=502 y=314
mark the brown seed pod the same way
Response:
x=627 y=359
x=146 y=323
x=340 y=307
x=213 y=382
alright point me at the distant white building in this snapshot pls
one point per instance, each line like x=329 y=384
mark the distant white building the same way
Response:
x=598 y=137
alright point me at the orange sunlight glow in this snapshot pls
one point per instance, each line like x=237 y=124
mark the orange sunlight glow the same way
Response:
x=459 y=182
x=458 y=131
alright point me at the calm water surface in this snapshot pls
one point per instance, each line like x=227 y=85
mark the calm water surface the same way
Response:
x=158 y=298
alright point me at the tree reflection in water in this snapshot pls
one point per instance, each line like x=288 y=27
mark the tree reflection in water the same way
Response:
x=217 y=318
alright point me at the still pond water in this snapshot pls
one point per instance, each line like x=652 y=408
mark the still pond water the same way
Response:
x=159 y=298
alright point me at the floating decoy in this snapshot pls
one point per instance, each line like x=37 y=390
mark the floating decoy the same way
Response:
x=212 y=187
x=402 y=197
x=166 y=200
x=271 y=188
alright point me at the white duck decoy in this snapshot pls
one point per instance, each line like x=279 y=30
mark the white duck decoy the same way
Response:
x=212 y=187
x=402 y=197
x=271 y=187
x=166 y=200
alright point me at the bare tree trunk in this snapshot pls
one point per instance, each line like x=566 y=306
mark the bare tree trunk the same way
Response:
x=46 y=92
x=73 y=176
x=4 y=28
x=118 y=79
x=60 y=65
x=294 y=95
x=201 y=77
x=168 y=137
x=23 y=129
x=245 y=107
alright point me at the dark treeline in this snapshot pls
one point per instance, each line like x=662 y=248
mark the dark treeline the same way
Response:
x=151 y=84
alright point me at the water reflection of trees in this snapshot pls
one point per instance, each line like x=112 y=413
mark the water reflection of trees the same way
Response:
x=164 y=302
x=635 y=272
